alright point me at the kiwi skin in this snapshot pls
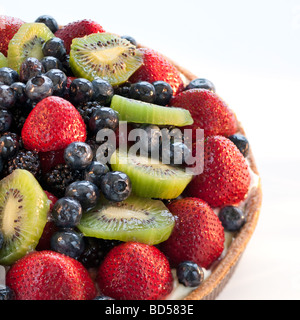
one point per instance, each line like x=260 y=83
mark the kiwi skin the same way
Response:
x=23 y=214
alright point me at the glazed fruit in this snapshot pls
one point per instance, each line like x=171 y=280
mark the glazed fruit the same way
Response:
x=48 y=275
x=55 y=134
x=198 y=234
x=130 y=272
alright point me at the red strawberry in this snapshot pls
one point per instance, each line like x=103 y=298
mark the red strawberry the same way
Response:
x=208 y=110
x=135 y=271
x=53 y=124
x=198 y=234
x=8 y=28
x=50 y=228
x=157 y=67
x=77 y=29
x=48 y=275
x=225 y=179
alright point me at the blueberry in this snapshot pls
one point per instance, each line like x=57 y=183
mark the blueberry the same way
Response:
x=1 y=239
x=232 y=218
x=66 y=213
x=201 y=83
x=78 y=155
x=50 y=63
x=59 y=81
x=30 y=68
x=8 y=76
x=80 y=91
x=9 y=147
x=49 y=21
x=130 y=39
x=94 y=172
x=7 y=97
x=189 y=274
x=123 y=89
x=116 y=186
x=103 y=298
x=163 y=92
x=85 y=192
x=39 y=87
x=19 y=90
x=241 y=143
x=6 y=293
x=152 y=143
x=55 y=47
x=103 y=91
x=68 y=242
x=143 y=91
x=5 y=120
x=104 y=118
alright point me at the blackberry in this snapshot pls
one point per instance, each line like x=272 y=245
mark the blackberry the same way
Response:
x=27 y=160
x=59 y=178
x=87 y=109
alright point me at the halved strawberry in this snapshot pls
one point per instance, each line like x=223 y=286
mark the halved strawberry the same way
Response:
x=48 y=275
x=135 y=271
x=53 y=124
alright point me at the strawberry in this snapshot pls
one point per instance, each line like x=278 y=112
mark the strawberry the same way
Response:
x=156 y=67
x=135 y=271
x=208 y=110
x=8 y=28
x=77 y=29
x=48 y=275
x=198 y=234
x=53 y=124
x=225 y=179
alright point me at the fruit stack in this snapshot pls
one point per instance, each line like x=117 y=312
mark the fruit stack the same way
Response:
x=84 y=218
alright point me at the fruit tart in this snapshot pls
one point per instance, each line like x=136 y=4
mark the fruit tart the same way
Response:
x=123 y=175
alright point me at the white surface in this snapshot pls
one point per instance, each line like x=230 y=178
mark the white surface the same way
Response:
x=250 y=50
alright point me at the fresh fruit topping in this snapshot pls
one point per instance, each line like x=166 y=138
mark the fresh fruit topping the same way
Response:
x=3 y=61
x=85 y=192
x=7 y=97
x=39 y=88
x=64 y=125
x=104 y=55
x=94 y=172
x=67 y=242
x=59 y=81
x=103 y=118
x=157 y=68
x=23 y=215
x=135 y=219
x=201 y=83
x=209 y=112
x=6 y=119
x=163 y=93
x=131 y=110
x=8 y=76
x=30 y=67
x=27 y=42
x=78 y=155
x=51 y=159
x=9 y=147
x=198 y=234
x=54 y=47
x=47 y=275
x=241 y=142
x=143 y=91
x=51 y=63
x=189 y=274
x=130 y=39
x=80 y=91
x=232 y=218
x=135 y=271
x=103 y=91
x=9 y=27
x=149 y=177
x=49 y=21
x=77 y=29
x=226 y=177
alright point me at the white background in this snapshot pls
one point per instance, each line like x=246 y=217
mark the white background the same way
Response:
x=250 y=50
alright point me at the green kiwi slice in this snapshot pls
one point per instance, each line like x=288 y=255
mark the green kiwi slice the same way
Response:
x=27 y=42
x=136 y=111
x=104 y=55
x=23 y=214
x=134 y=219
x=3 y=60
x=151 y=178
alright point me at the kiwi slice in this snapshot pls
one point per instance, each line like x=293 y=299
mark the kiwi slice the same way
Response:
x=136 y=111
x=27 y=42
x=23 y=214
x=3 y=60
x=151 y=178
x=134 y=219
x=104 y=55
